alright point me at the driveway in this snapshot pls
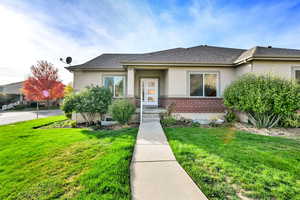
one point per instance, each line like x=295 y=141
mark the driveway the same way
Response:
x=18 y=116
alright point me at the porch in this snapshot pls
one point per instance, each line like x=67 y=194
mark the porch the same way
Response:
x=150 y=84
x=161 y=86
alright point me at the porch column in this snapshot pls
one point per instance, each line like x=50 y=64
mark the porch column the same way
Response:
x=130 y=82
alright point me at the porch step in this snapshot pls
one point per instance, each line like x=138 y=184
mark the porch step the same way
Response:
x=152 y=110
x=149 y=116
x=151 y=119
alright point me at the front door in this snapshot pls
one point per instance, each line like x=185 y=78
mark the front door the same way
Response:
x=149 y=91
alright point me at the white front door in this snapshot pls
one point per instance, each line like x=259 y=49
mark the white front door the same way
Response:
x=149 y=91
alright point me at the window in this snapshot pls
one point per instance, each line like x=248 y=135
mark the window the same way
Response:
x=297 y=76
x=203 y=84
x=115 y=84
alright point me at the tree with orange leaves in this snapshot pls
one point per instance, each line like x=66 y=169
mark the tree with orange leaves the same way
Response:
x=43 y=84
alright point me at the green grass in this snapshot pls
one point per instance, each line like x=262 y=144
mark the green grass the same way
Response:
x=225 y=163
x=64 y=163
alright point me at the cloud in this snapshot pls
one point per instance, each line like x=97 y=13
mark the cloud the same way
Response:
x=25 y=40
x=47 y=30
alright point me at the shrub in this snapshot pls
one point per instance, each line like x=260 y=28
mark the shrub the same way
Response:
x=68 y=105
x=230 y=116
x=70 y=123
x=168 y=121
x=292 y=121
x=122 y=110
x=89 y=102
x=263 y=95
x=171 y=109
x=94 y=100
x=264 y=120
x=195 y=124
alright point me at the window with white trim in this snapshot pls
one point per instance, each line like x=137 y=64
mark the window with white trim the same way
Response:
x=116 y=84
x=297 y=75
x=203 y=84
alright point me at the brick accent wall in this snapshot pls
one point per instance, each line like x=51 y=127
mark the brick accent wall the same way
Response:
x=195 y=105
x=192 y=105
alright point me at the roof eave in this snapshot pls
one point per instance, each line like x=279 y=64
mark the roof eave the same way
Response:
x=93 y=69
x=126 y=64
x=271 y=58
x=284 y=58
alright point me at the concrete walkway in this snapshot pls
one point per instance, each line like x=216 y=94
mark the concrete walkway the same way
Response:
x=155 y=173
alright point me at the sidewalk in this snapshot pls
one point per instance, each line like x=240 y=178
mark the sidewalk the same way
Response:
x=155 y=173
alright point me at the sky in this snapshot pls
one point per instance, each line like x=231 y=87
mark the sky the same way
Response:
x=32 y=30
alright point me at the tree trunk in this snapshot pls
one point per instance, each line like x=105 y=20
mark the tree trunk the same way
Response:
x=48 y=102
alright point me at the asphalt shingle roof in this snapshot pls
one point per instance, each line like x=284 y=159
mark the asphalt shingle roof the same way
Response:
x=194 y=55
x=198 y=54
x=106 y=61
x=269 y=52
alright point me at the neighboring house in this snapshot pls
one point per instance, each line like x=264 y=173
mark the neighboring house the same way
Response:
x=10 y=95
x=13 y=89
x=193 y=78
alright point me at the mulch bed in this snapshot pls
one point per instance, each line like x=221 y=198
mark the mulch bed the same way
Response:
x=284 y=132
x=68 y=124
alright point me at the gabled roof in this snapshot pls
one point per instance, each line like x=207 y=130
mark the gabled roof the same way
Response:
x=203 y=54
x=112 y=61
x=268 y=52
x=199 y=54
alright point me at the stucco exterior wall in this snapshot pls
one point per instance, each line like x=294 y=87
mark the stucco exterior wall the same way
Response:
x=178 y=79
x=83 y=79
x=283 y=69
x=243 y=69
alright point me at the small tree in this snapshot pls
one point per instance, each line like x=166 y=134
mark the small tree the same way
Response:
x=69 y=104
x=68 y=90
x=101 y=98
x=122 y=110
x=43 y=84
x=89 y=102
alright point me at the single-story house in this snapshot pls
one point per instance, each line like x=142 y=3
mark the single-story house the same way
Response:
x=193 y=78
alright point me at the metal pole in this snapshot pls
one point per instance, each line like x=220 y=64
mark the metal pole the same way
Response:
x=141 y=103
x=37 y=109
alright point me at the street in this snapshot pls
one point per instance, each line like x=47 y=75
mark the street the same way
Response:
x=12 y=117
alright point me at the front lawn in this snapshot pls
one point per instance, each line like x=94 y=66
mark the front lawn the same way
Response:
x=64 y=163
x=229 y=164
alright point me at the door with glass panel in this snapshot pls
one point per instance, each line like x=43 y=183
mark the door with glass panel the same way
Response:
x=149 y=88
